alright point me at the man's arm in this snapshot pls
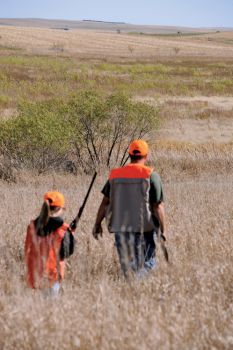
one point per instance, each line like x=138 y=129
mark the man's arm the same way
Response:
x=97 y=230
x=159 y=212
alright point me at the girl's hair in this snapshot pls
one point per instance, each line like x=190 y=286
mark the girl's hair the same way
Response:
x=43 y=218
x=46 y=211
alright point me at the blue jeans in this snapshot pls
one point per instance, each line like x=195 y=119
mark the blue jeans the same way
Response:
x=136 y=251
x=53 y=291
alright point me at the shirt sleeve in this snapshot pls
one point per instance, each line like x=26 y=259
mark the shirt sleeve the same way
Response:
x=156 y=189
x=106 y=190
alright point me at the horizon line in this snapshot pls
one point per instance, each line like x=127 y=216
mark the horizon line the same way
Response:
x=113 y=22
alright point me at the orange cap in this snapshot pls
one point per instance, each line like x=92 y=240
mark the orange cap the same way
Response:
x=138 y=148
x=56 y=199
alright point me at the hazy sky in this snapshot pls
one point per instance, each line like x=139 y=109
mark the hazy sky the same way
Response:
x=195 y=13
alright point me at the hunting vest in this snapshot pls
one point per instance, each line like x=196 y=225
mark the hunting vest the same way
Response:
x=129 y=207
x=44 y=267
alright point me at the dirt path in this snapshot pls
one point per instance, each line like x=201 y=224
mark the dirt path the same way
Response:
x=197 y=131
x=190 y=128
x=224 y=103
x=219 y=102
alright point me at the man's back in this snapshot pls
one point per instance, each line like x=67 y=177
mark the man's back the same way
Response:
x=129 y=207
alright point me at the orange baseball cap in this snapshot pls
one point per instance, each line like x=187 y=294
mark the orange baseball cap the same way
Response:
x=56 y=199
x=138 y=148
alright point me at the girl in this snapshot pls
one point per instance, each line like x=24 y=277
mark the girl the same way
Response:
x=49 y=241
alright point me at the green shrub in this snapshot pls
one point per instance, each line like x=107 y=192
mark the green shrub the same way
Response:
x=106 y=125
x=38 y=138
x=4 y=100
x=88 y=131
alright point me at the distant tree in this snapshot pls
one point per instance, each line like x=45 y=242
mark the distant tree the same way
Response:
x=176 y=50
x=131 y=49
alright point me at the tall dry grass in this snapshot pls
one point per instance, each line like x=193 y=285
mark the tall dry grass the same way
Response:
x=187 y=305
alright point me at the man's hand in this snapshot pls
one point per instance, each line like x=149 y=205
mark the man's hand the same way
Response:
x=163 y=237
x=97 y=230
x=159 y=212
x=162 y=240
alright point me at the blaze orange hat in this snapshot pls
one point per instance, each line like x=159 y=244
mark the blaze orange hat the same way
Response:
x=56 y=199
x=138 y=148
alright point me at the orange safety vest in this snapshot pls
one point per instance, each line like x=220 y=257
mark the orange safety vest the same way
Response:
x=129 y=208
x=44 y=267
x=131 y=171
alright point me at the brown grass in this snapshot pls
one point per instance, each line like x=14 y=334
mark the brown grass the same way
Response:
x=91 y=44
x=187 y=305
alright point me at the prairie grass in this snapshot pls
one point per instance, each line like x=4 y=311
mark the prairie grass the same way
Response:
x=9 y=48
x=189 y=108
x=186 y=305
x=3 y=101
x=91 y=44
x=44 y=77
x=176 y=159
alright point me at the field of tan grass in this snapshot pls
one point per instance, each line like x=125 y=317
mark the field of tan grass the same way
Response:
x=90 y=44
x=185 y=305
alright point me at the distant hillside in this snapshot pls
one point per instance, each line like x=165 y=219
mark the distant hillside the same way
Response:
x=101 y=25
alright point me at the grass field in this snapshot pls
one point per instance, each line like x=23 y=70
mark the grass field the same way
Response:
x=186 y=305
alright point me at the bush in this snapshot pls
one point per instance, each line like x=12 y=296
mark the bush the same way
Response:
x=6 y=171
x=38 y=138
x=4 y=100
x=106 y=126
x=88 y=131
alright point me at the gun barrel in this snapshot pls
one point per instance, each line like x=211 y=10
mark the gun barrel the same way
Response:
x=74 y=223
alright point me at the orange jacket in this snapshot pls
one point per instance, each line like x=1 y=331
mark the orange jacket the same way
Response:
x=132 y=170
x=44 y=267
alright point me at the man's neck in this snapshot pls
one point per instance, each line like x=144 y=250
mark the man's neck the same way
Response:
x=140 y=161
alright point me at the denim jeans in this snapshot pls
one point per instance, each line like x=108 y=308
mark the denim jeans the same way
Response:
x=53 y=291
x=136 y=251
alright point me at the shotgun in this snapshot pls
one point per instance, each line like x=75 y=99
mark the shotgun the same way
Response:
x=74 y=223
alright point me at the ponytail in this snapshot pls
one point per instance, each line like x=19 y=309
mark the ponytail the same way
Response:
x=43 y=218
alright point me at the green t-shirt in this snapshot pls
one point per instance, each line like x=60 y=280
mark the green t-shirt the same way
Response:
x=155 y=194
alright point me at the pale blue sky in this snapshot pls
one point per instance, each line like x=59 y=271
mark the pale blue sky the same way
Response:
x=196 y=13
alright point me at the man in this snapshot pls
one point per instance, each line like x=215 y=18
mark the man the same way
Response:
x=133 y=205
